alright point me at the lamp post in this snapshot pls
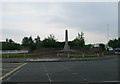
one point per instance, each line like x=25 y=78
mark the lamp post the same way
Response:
x=107 y=33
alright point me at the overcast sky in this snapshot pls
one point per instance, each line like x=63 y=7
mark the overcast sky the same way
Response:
x=43 y=18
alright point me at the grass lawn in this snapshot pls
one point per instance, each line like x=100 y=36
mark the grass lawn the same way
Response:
x=20 y=55
x=39 y=54
x=80 y=55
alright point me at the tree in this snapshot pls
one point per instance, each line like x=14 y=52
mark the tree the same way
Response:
x=11 y=41
x=28 y=42
x=25 y=42
x=114 y=43
x=119 y=42
x=102 y=47
x=31 y=41
x=49 y=42
x=7 y=41
x=37 y=42
x=9 y=44
x=79 y=40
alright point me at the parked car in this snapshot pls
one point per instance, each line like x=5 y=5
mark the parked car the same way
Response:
x=117 y=50
x=109 y=48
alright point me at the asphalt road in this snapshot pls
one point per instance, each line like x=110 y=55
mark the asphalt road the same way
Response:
x=7 y=67
x=77 y=71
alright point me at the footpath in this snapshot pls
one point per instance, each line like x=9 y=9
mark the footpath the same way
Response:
x=56 y=59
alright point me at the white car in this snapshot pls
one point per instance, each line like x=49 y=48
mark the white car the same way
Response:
x=109 y=48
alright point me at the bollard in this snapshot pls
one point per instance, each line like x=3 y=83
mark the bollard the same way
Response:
x=68 y=55
x=24 y=55
x=8 y=55
x=97 y=54
x=58 y=54
x=103 y=54
x=83 y=55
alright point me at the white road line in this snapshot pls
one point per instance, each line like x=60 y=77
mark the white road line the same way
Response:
x=12 y=75
x=16 y=63
x=47 y=73
x=6 y=69
x=16 y=73
x=111 y=81
x=8 y=79
x=49 y=77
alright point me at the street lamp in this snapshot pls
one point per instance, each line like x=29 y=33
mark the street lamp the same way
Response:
x=107 y=33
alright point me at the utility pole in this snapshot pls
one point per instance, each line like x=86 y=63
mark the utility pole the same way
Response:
x=107 y=33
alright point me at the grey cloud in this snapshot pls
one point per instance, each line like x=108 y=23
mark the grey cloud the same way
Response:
x=88 y=16
x=13 y=32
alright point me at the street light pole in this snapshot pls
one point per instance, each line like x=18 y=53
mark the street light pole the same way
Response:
x=107 y=33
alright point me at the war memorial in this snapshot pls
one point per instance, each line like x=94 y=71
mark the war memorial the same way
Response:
x=66 y=49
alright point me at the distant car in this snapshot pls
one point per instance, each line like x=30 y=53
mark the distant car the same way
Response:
x=109 y=48
x=117 y=50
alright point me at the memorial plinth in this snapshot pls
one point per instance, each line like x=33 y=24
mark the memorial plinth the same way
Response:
x=66 y=46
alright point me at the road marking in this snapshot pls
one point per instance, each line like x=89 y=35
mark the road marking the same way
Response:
x=12 y=71
x=5 y=69
x=12 y=75
x=48 y=77
x=16 y=73
x=46 y=71
x=8 y=79
x=15 y=63
x=111 y=81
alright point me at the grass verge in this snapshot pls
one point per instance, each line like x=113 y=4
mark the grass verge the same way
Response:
x=80 y=55
x=18 y=55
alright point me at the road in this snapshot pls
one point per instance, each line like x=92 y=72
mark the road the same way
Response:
x=72 y=71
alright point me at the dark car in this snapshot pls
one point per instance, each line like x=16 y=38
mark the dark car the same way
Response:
x=117 y=50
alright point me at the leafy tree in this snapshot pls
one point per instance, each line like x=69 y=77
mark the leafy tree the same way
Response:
x=102 y=47
x=7 y=41
x=60 y=44
x=79 y=40
x=28 y=42
x=25 y=42
x=37 y=42
x=31 y=40
x=114 y=43
x=9 y=44
x=49 y=42
x=11 y=41
x=0 y=45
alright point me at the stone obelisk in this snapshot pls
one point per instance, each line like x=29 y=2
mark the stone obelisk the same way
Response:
x=66 y=46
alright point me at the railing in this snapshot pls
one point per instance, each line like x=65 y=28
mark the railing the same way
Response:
x=13 y=51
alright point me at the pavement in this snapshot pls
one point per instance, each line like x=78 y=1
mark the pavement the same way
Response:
x=53 y=59
x=68 y=72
